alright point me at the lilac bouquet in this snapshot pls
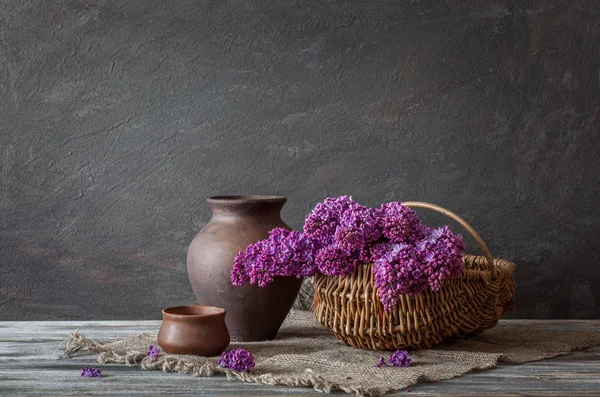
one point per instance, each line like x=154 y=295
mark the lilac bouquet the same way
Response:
x=340 y=234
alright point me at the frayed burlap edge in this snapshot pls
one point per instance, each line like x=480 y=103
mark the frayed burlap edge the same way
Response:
x=171 y=363
x=181 y=364
x=491 y=347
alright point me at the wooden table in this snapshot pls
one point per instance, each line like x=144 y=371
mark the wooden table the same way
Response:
x=30 y=364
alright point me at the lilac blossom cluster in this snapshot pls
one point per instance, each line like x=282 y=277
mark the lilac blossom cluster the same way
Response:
x=332 y=260
x=322 y=223
x=397 y=271
x=284 y=253
x=340 y=234
x=238 y=360
x=399 y=358
x=400 y=224
x=440 y=254
x=91 y=372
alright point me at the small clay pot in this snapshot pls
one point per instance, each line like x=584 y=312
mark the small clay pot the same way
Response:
x=197 y=330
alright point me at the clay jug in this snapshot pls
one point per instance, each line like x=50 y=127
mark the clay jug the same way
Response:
x=253 y=313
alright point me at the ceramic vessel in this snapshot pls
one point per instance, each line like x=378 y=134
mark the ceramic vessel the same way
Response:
x=197 y=330
x=253 y=313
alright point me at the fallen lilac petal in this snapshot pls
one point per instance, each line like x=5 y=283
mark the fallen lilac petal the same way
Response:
x=382 y=362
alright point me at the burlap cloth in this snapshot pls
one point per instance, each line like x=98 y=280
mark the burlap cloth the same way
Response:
x=306 y=354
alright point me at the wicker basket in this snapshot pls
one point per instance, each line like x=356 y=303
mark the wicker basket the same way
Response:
x=467 y=305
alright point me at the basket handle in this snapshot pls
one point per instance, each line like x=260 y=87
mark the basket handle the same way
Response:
x=463 y=223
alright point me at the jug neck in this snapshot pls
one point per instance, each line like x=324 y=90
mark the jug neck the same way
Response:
x=228 y=207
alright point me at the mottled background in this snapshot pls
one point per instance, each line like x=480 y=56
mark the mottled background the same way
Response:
x=118 y=119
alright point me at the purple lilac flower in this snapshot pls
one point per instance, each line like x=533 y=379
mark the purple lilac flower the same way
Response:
x=366 y=254
x=440 y=254
x=379 y=250
x=400 y=358
x=397 y=272
x=296 y=253
x=340 y=234
x=284 y=253
x=321 y=224
x=358 y=226
x=401 y=224
x=332 y=260
x=153 y=352
x=246 y=261
x=238 y=360
x=382 y=363
x=91 y=372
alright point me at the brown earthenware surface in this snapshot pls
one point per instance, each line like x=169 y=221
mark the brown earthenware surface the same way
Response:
x=253 y=313
x=197 y=330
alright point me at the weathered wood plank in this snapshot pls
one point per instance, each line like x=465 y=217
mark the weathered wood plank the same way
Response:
x=30 y=364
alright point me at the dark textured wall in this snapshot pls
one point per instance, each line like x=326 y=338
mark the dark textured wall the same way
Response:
x=118 y=119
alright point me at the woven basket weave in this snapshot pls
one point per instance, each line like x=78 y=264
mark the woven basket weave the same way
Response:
x=466 y=305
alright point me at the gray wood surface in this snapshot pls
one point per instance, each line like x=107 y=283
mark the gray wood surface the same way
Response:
x=30 y=365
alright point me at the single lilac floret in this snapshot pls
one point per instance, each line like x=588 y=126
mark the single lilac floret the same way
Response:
x=400 y=358
x=153 y=352
x=238 y=360
x=91 y=372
